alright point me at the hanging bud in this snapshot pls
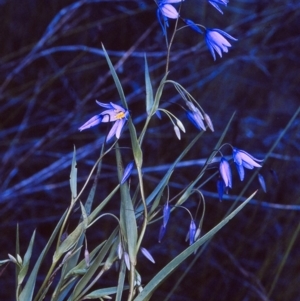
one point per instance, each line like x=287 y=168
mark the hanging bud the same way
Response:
x=147 y=254
x=166 y=214
x=87 y=257
x=197 y=234
x=127 y=261
x=127 y=172
x=220 y=187
x=192 y=231
x=177 y=132
x=209 y=122
x=120 y=250
x=162 y=232
x=180 y=125
x=262 y=182
x=225 y=172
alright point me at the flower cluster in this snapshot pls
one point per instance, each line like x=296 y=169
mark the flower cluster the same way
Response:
x=242 y=160
x=197 y=118
x=216 y=39
x=193 y=232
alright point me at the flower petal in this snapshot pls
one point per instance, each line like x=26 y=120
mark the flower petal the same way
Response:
x=240 y=156
x=247 y=165
x=180 y=125
x=147 y=254
x=95 y=120
x=120 y=125
x=117 y=107
x=209 y=122
x=104 y=105
x=177 y=132
x=192 y=25
x=171 y=1
x=112 y=131
x=241 y=171
x=192 y=231
x=196 y=120
x=120 y=250
x=225 y=172
x=262 y=182
x=216 y=42
x=215 y=4
x=109 y=116
x=220 y=188
x=162 y=232
x=127 y=172
x=166 y=214
x=169 y=11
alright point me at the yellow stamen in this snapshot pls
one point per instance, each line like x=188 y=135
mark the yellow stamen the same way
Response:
x=120 y=115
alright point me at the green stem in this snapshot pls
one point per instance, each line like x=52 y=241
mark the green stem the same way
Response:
x=66 y=219
x=170 y=44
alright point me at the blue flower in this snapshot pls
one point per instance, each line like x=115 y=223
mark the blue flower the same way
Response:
x=215 y=4
x=147 y=254
x=162 y=232
x=127 y=172
x=216 y=42
x=262 y=182
x=166 y=10
x=220 y=187
x=243 y=159
x=115 y=113
x=166 y=214
x=225 y=172
x=192 y=232
x=195 y=116
x=192 y=25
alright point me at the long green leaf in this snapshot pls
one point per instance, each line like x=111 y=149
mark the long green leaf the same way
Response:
x=127 y=215
x=170 y=267
x=73 y=177
x=149 y=90
x=26 y=261
x=136 y=148
x=69 y=242
x=135 y=145
x=101 y=293
x=80 y=286
x=116 y=79
x=27 y=292
x=87 y=209
x=69 y=279
x=121 y=279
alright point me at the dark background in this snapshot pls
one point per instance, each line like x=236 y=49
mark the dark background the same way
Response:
x=52 y=70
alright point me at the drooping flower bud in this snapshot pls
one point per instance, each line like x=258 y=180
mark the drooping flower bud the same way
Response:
x=225 y=172
x=192 y=231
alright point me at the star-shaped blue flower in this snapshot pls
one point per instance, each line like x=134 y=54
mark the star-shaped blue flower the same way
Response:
x=216 y=3
x=216 y=42
x=244 y=160
x=114 y=113
x=166 y=10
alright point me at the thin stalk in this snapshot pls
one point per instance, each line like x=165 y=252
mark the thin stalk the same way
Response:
x=170 y=44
